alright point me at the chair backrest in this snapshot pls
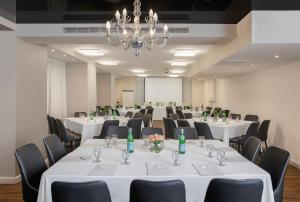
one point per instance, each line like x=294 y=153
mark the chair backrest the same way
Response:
x=106 y=125
x=236 y=116
x=188 y=115
x=116 y=111
x=226 y=112
x=62 y=133
x=129 y=114
x=203 y=130
x=146 y=119
x=54 y=126
x=136 y=125
x=143 y=111
x=178 y=108
x=275 y=162
x=252 y=130
x=169 y=111
x=189 y=133
x=32 y=166
x=77 y=114
x=251 y=149
x=207 y=112
x=169 y=127
x=152 y=131
x=100 y=113
x=150 y=191
x=251 y=117
x=208 y=108
x=216 y=110
x=174 y=116
x=121 y=131
x=180 y=113
x=150 y=111
x=49 y=124
x=54 y=148
x=137 y=115
x=183 y=123
x=229 y=190
x=263 y=130
x=80 y=192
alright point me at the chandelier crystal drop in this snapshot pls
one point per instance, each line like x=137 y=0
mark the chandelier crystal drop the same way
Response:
x=122 y=31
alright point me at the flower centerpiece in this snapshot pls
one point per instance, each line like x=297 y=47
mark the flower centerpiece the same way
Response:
x=156 y=143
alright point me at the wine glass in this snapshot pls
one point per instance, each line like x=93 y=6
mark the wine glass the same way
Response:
x=221 y=157
x=114 y=138
x=175 y=157
x=210 y=149
x=201 y=140
x=145 y=139
x=125 y=156
x=97 y=154
x=108 y=141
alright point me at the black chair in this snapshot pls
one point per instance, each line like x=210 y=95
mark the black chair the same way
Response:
x=183 y=123
x=180 y=114
x=147 y=119
x=226 y=112
x=121 y=131
x=150 y=111
x=143 y=111
x=174 y=116
x=136 y=125
x=208 y=108
x=178 y=108
x=100 y=113
x=240 y=141
x=188 y=115
x=203 y=130
x=251 y=149
x=216 y=110
x=207 y=113
x=54 y=126
x=236 y=116
x=150 y=191
x=32 y=165
x=106 y=125
x=64 y=135
x=275 y=162
x=54 y=148
x=169 y=111
x=49 y=125
x=129 y=114
x=80 y=192
x=77 y=114
x=169 y=127
x=263 y=131
x=116 y=111
x=229 y=190
x=250 y=117
x=152 y=131
x=137 y=115
x=189 y=133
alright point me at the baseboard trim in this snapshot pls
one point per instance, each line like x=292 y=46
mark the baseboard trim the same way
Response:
x=294 y=164
x=10 y=180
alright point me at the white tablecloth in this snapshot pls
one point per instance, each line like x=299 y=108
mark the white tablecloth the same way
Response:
x=123 y=111
x=225 y=130
x=159 y=113
x=195 y=114
x=79 y=166
x=89 y=129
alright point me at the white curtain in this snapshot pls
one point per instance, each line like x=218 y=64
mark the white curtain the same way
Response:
x=140 y=91
x=56 y=89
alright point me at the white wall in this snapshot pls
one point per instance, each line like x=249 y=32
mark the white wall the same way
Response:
x=7 y=103
x=77 y=88
x=125 y=83
x=272 y=94
x=92 y=86
x=197 y=93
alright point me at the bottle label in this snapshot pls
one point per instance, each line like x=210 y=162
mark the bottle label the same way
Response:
x=181 y=148
x=130 y=147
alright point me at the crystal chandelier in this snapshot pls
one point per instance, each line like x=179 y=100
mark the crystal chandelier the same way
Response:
x=120 y=30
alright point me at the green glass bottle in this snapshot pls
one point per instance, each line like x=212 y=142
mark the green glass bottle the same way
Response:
x=205 y=116
x=130 y=141
x=114 y=114
x=181 y=140
x=224 y=116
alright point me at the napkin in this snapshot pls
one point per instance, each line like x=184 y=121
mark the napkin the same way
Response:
x=158 y=169
x=103 y=170
x=207 y=170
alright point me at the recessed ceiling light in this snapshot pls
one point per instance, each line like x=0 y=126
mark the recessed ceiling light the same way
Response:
x=142 y=75
x=108 y=62
x=173 y=75
x=179 y=63
x=65 y=55
x=91 y=52
x=185 y=53
x=276 y=56
x=252 y=65
x=52 y=50
x=177 y=71
x=137 y=71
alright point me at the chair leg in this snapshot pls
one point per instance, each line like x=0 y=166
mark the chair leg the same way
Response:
x=266 y=144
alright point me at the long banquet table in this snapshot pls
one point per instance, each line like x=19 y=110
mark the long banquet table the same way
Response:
x=196 y=169
x=89 y=128
x=224 y=130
